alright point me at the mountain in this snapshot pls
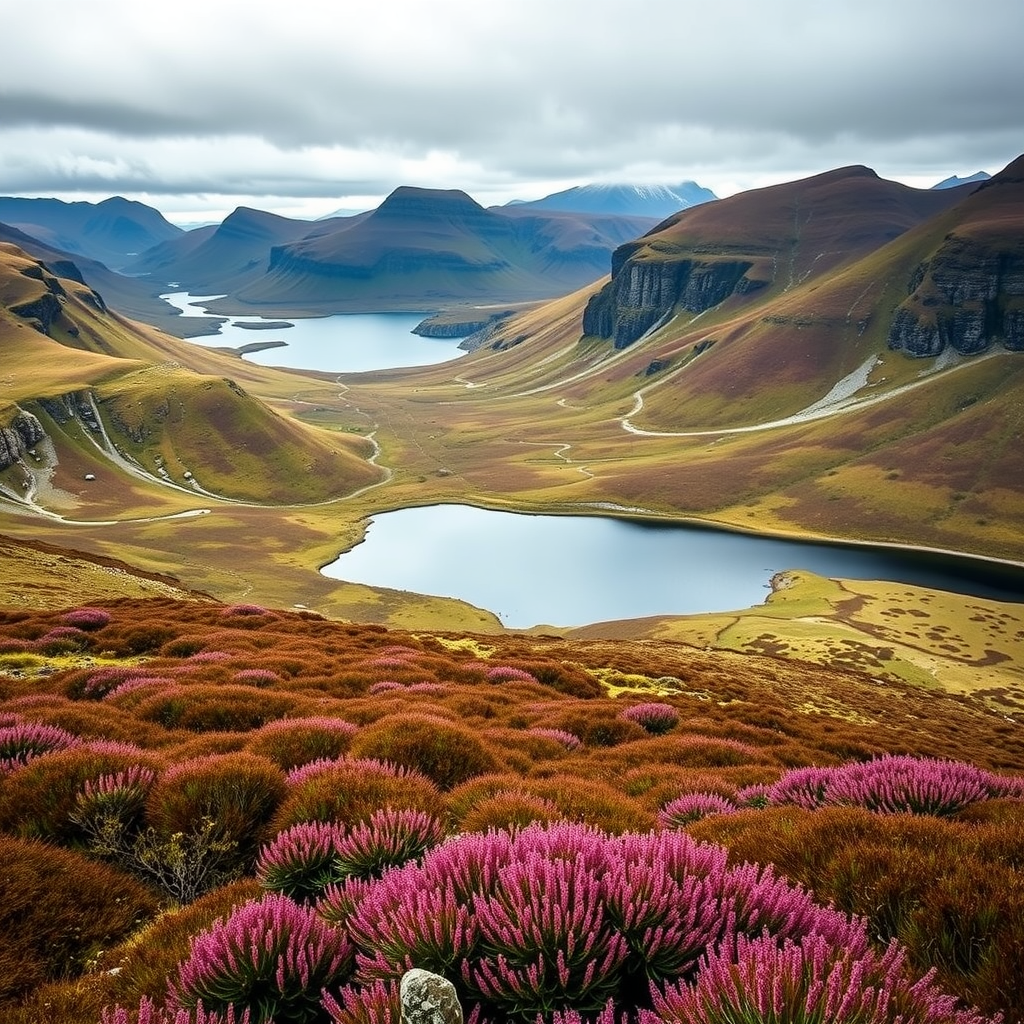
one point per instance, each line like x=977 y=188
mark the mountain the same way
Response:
x=422 y=248
x=954 y=181
x=112 y=231
x=767 y=239
x=659 y=201
x=224 y=257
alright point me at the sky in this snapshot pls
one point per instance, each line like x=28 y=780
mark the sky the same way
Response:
x=305 y=107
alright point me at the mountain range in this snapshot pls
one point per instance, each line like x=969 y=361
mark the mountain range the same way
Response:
x=658 y=201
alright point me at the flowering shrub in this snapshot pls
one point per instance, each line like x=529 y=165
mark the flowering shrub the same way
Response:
x=149 y=1013
x=568 y=739
x=302 y=860
x=86 y=618
x=391 y=837
x=379 y=1003
x=243 y=610
x=115 y=800
x=272 y=957
x=384 y=685
x=509 y=674
x=568 y=917
x=21 y=742
x=656 y=718
x=894 y=784
x=444 y=751
x=692 y=807
x=509 y=809
x=290 y=742
x=808 y=981
x=350 y=789
x=256 y=677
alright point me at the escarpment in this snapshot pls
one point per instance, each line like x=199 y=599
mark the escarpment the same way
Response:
x=968 y=297
x=649 y=283
x=18 y=436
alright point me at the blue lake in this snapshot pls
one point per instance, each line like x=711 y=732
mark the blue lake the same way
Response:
x=343 y=343
x=573 y=570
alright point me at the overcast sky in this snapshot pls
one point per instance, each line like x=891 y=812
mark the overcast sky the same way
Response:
x=304 y=107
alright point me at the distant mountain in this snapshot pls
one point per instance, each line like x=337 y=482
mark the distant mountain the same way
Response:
x=420 y=249
x=657 y=201
x=954 y=181
x=112 y=232
x=224 y=257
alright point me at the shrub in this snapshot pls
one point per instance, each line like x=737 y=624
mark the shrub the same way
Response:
x=390 y=838
x=290 y=742
x=379 y=1003
x=256 y=677
x=64 y=640
x=272 y=957
x=566 y=917
x=40 y=800
x=113 y=803
x=385 y=685
x=243 y=610
x=86 y=618
x=204 y=708
x=22 y=741
x=443 y=751
x=149 y=1013
x=653 y=717
x=350 y=789
x=302 y=861
x=567 y=739
x=509 y=809
x=509 y=674
x=806 y=980
x=58 y=909
x=691 y=807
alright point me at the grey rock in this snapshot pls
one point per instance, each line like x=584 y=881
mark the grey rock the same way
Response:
x=428 y=999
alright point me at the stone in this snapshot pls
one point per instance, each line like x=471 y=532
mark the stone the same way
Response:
x=428 y=999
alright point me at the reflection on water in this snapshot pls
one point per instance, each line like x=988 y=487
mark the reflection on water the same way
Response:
x=343 y=343
x=574 y=570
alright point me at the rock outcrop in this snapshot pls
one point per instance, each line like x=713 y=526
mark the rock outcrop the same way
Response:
x=968 y=297
x=18 y=437
x=428 y=999
x=647 y=287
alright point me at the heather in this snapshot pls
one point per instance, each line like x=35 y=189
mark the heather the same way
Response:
x=365 y=800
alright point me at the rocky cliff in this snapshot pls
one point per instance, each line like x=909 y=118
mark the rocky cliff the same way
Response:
x=968 y=296
x=21 y=433
x=646 y=287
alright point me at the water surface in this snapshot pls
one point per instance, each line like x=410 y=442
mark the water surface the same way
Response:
x=342 y=343
x=573 y=570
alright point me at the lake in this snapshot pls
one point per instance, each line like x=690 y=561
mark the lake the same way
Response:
x=342 y=343
x=574 y=570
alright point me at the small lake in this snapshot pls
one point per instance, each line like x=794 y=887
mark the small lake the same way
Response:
x=342 y=343
x=574 y=570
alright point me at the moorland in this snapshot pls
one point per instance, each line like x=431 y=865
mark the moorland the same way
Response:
x=202 y=739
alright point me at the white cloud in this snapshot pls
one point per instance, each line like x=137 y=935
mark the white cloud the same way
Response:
x=290 y=104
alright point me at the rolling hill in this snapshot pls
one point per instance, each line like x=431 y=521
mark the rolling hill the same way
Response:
x=90 y=396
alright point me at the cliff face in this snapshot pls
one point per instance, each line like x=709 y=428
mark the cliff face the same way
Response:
x=967 y=296
x=643 y=291
x=23 y=431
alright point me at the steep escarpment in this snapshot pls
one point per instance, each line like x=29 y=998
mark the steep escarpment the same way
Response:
x=967 y=295
x=21 y=431
x=773 y=238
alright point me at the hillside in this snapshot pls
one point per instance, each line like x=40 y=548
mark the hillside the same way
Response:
x=92 y=397
x=184 y=768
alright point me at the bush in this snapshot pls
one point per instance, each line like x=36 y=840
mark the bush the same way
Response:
x=653 y=717
x=23 y=741
x=390 y=838
x=807 y=980
x=691 y=807
x=86 y=618
x=441 y=750
x=238 y=792
x=567 y=918
x=349 y=790
x=272 y=957
x=302 y=861
x=511 y=810
x=290 y=742
x=58 y=909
